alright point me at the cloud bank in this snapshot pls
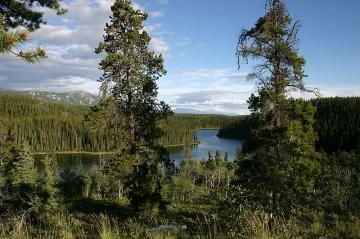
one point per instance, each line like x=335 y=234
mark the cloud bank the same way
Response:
x=70 y=41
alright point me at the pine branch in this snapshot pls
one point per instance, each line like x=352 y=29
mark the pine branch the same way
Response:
x=10 y=41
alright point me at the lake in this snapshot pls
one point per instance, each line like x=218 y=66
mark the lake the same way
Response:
x=208 y=141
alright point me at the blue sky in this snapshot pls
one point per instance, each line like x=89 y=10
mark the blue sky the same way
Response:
x=198 y=40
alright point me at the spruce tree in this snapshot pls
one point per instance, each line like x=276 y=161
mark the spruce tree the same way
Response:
x=279 y=167
x=131 y=70
x=21 y=175
x=6 y=149
x=21 y=170
x=46 y=182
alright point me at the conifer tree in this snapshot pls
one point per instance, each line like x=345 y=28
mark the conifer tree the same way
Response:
x=47 y=191
x=280 y=166
x=218 y=158
x=21 y=178
x=131 y=70
x=226 y=157
x=21 y=170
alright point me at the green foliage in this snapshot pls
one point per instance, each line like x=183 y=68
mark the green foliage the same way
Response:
x=338 y=187
x=59 y=127
x=187 y=184
x=20 y=184
x=96 y=185
x=21 y=170
x=46 y=190
x=49 y=126
x=278 y=186
x=71 y=185
x=272 y=42
x=282 y=166
x=13 y=14
x=22 y=13
x=279 y=170
x=337 y=123
x=132 y=111
x=24 y=188
x=114 y=175
x=239 y=129
x=11 y=40
x=198 y=182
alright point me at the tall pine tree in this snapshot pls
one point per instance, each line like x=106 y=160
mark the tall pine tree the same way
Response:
x=131 y=70
x=278 y=171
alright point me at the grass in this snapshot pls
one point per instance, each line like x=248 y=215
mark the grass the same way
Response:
x=68 y=227
x=109 y=220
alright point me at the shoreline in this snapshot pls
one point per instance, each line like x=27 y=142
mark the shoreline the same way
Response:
x=109 y=152
x=103 y=152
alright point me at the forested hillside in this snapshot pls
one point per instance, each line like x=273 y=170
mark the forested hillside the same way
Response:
x=337 y=124
x=59 y=127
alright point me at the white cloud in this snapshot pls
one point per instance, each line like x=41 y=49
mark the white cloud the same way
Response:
x=152 y=27
x=72 y=64
x=224 y=91
x=157 y=14
x=224 y=100
x=326 y=91
x=137 y=6
x=52 y=32
x=231 y=99
x=70 y=41
x=105 y=5
x=159 y=46
x=223 y=74
x=220 y=91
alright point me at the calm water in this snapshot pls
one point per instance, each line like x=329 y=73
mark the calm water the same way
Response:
x=209 y=141
x=207 y=137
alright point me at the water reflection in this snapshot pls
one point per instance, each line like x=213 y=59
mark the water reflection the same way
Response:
x=209 y=142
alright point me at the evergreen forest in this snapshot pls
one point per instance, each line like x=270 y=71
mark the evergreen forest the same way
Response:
x=337 y=124
x=53 y=127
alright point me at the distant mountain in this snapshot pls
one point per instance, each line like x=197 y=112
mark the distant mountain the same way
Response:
x=73 y=97
x=187 y=111
x=195 y=112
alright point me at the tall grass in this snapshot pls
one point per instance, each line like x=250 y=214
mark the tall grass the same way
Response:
x=65 y=226
x=255 y=226
x=262 y=226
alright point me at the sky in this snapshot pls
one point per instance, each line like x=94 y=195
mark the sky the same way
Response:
x=198 y=41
